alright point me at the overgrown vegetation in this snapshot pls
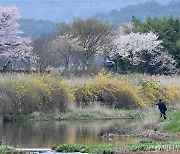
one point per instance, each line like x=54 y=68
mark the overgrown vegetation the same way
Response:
x=26 y=94
x=123 y=92
x=108 y=91
x=151 y=91
x=92 y=148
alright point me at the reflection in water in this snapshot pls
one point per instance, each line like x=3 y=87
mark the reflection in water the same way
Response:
x=45 y=134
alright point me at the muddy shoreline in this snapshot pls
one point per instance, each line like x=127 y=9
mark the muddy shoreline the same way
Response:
x=64 y=119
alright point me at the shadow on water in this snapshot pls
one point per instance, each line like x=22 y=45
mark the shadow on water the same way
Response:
x=45 y=134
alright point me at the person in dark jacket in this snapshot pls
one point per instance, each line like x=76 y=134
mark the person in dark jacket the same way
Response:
x=162 y=108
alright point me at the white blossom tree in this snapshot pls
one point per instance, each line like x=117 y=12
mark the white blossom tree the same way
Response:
x=164 y=63
x=12 y=45
x=143 y=48
x=67 y=50
x=125 y=28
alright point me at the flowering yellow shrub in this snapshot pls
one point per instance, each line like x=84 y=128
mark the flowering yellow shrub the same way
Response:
x=46 y=92
x=108 y=91
x=151 y=91
x=172 y=93
x=36 y=93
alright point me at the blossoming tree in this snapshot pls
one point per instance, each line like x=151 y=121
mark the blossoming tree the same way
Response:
x=12 y=45
x=67 y=50
x=144 y=48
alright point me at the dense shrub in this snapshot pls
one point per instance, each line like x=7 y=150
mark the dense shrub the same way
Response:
x=32 y=93
x=151 y=91
x=108 y=91
x=24 y=94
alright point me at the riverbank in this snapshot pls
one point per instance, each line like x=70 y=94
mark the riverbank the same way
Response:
x=102 y=97
x=93 y=112
x=101 y=149
x=145 y=123
x=142 y=147
x=164 y=130
x=139 y=146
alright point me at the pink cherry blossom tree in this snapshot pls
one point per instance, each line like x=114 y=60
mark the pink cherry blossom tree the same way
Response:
x=12 y=45
x=143 y=48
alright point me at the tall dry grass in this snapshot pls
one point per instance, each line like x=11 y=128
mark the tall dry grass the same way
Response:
x=163 y=80
x=135 y=79
x=150 y=119
x=93 y=108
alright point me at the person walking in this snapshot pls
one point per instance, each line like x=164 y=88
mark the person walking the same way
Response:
x=162 y=108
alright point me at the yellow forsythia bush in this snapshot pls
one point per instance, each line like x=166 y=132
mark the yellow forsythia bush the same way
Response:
x=48 y=93
x=151 y=91
x=43 y=93
x=173 y=94
x=108 y=91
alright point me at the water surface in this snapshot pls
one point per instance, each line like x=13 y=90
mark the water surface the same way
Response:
x=45 y=134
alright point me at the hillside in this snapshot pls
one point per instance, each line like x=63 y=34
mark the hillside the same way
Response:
x=141 y=11
x=35 y=28
x=55 y=10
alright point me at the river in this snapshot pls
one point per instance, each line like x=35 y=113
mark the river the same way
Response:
x=44 y=134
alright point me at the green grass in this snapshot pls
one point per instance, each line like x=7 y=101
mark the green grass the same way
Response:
x=99 y=148
x=69 y=148
x=6 y=149
x=79 y=115
x=134 y=114
x=175 y=116
x=145 y=145
x=174 y=125
x=149 y=145
x=92 y=148
x=25 y=116
x=98 y=114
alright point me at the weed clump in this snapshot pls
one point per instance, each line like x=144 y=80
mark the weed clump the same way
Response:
x=6 y=149
x=92 y=148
